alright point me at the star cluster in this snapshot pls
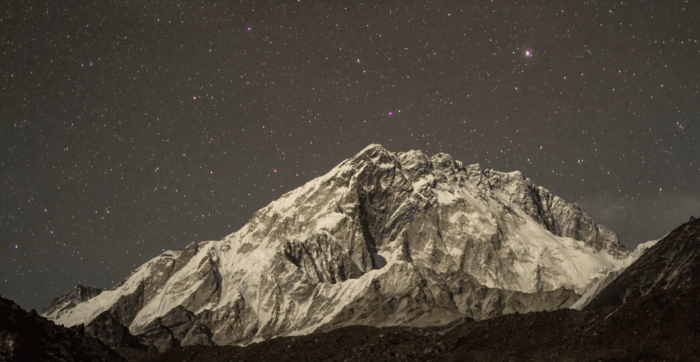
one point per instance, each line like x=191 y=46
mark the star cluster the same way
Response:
x=128 y=128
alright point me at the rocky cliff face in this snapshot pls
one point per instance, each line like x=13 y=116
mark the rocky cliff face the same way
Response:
x=382 y=239
x=670 y=266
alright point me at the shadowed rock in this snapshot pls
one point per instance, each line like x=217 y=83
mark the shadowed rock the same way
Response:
x=106 y=327
x=175 y=328
x=30 y=337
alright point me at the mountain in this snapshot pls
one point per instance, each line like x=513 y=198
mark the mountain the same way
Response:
x=28 y=337
x=383 y=239
x=671 y=266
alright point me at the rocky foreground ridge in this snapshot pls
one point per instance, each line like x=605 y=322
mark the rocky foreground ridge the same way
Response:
x=383 y=239
x=26 y=336
x=671 y=266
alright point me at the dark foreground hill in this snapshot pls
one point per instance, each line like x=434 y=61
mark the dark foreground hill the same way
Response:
x=671 y=266
x=26 y=336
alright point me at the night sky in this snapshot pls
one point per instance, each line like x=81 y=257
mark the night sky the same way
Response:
x=129 y=127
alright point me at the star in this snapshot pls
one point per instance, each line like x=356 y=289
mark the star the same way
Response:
x=142 y=116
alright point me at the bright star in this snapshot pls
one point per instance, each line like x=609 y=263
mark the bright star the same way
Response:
x=527 y=53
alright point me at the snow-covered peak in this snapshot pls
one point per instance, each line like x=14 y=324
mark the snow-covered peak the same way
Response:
x=382 y=227
x=372 y=148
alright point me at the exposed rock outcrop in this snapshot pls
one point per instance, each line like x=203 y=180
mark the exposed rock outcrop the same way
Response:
x=107 y=328
x=177 y=327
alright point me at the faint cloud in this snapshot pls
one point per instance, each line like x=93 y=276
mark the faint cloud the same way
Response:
x=640 y=219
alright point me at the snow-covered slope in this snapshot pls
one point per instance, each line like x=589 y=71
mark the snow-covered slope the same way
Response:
x=610 y=276
x=69 y=300
x=382 y=239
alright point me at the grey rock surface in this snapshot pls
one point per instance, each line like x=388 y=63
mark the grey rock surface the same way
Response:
x=382 y=239
x=107 y=328
x=178 y=327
